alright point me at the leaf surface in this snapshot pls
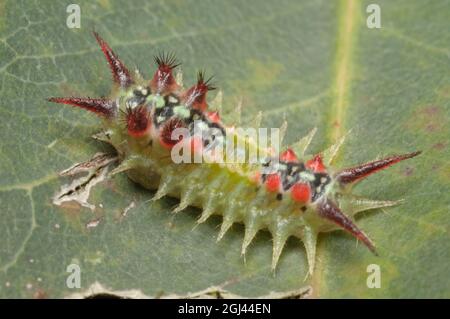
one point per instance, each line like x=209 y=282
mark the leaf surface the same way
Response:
x=314 y=63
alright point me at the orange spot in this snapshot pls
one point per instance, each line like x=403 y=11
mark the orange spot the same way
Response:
x=273 y=182
x=213 y=116
x=315 y=164
x=301 y=192
x=288 y=156
x=138 y=121
x=195 y=97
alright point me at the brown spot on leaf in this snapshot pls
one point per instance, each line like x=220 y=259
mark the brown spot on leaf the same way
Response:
x=440 y=146
x=40 y=294
x=445 y=92
x=430 y=118
x=431 y=110
x=67 y=89
x=409 y=170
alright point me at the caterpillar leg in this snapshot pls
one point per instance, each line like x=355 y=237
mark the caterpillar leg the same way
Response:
x=229 y=219
x=165 y=185
x=309 y=239
x=252 y=226
x=279 y=240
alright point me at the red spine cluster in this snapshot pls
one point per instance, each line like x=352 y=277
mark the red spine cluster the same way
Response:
x=195 y=96
x=102 y=107
x=138 y=121
x=120 y=73
x=316 y=164
x=163 y=81
x=166 y=139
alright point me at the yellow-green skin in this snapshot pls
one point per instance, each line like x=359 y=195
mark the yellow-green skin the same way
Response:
x=241 y=193
x=227 y=189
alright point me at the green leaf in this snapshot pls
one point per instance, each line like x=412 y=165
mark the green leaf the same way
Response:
x=313 y=62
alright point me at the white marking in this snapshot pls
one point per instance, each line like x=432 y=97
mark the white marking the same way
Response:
x=93 y=223
x=133 y=104
x=172 y=99
x=128 y=208
x=52 y=144
x=81 y=195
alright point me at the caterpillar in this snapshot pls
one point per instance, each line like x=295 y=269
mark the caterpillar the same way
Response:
x=289 y=193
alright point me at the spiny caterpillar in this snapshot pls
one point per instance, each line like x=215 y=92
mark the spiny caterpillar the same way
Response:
x=292 y=194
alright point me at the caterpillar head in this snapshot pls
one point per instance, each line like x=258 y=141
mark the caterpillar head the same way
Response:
x=151 y=110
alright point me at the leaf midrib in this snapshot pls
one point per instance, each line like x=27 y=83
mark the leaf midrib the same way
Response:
x=348 y=11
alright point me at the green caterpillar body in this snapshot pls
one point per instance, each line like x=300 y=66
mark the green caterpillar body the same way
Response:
x=290 y=194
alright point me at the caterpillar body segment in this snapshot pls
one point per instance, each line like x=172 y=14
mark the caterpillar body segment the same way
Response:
x=288 y=194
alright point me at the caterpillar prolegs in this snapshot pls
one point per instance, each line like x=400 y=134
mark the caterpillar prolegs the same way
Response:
x=289 y=194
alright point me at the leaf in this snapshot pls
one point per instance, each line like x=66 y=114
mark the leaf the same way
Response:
x=312 y=62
